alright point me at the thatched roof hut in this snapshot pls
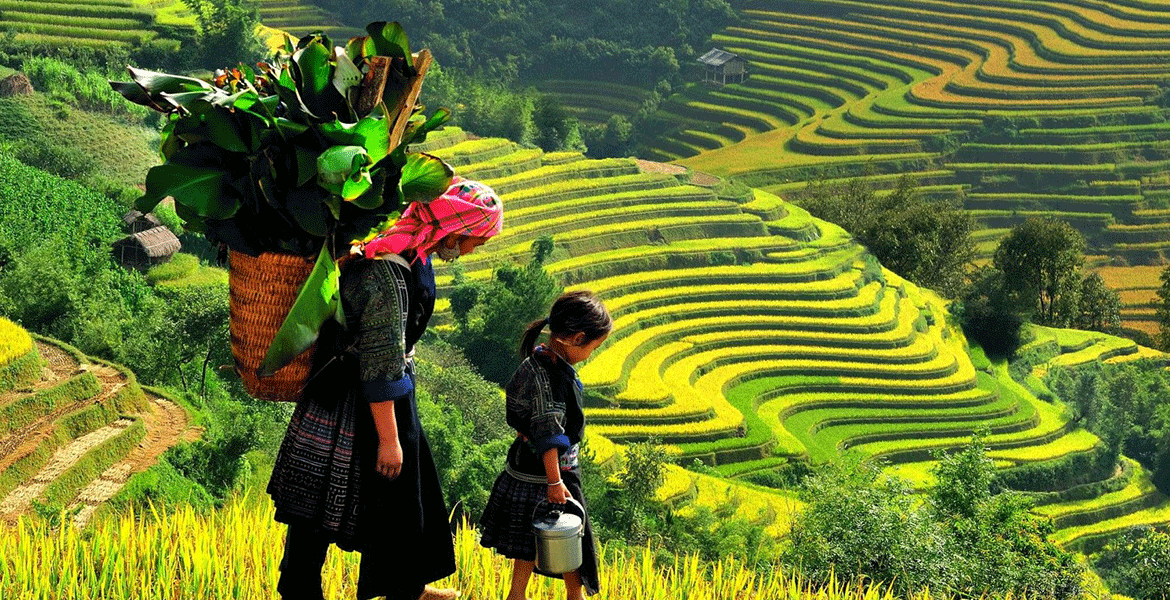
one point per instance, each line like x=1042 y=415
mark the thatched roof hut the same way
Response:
x=16 y=84
x=145 y=249
x=135 y=222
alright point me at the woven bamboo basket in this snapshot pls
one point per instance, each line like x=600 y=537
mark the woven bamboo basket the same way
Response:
x=262 y=290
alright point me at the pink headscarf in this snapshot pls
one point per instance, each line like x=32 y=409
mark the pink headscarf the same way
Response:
x=466 y=208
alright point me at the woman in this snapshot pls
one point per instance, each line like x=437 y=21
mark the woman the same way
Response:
x=355 y=468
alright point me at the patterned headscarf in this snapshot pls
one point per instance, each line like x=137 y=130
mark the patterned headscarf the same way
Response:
x=467 y=208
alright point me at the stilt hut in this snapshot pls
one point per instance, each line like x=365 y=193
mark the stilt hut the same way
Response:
x=719 y=66
x=145 y=249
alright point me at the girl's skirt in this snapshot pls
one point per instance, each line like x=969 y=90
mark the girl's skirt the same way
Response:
x=506 y=524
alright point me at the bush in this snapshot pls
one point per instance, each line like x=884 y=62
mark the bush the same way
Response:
x=1137 y=564
x=87 y=89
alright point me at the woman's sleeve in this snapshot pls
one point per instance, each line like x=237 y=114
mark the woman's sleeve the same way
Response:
x=534 y=411
x=378 y=299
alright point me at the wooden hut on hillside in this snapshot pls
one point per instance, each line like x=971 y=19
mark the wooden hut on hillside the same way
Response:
x=136 y=222
x=721 y=65
x=145 y=249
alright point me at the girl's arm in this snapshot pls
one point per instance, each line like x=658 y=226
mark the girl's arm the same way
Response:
x=558 y=493
x=389 y=462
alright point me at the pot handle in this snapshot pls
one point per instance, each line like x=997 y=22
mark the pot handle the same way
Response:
x=580 y=510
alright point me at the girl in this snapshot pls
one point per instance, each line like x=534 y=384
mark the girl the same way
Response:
x=544 y=406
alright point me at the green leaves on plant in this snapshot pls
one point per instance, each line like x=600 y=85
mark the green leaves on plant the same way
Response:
x=424 y=177
x=345 y=171
x=372 y=132
x=201 y=189
x=317 y=301
x=276 y=158
x=389 y=39
x=316 y=78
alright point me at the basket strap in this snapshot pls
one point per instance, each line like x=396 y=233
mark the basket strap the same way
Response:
x=395 y=258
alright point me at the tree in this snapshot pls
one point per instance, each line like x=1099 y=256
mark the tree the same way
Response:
x=227 y=32
x=926 y=241
x=1041 y=261
x=994 y=544
x=857 y=523
x=1162 y=305
x=491 y=317
x=1138 y=564
x=1100 y=307
x=991 y=314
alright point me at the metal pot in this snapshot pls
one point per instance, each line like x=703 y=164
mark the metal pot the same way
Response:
x=559 y=536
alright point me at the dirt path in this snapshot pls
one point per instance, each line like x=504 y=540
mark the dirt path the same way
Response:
x=20 y=499
x=19 y=443
x=166 y=425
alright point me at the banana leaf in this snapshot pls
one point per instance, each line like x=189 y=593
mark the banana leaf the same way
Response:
x=318 y=301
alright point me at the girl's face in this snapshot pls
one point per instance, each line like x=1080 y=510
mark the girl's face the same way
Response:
x=575 y=349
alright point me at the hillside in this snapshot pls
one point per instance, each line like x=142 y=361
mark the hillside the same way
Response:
x=1011 y=108
x=749 y=334
x=74 y=429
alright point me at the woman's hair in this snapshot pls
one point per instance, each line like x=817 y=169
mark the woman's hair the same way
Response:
x=572 y=313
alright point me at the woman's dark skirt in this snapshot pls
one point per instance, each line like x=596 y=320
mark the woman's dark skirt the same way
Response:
x=506 y=524
x=325 y=478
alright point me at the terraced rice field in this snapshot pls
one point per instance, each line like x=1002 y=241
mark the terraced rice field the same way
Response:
x=594 y=102
x=74 y=429
x=1034 y=108
x=301 y=17
x=1138 y=288
x=749 y=334
x=95 y=23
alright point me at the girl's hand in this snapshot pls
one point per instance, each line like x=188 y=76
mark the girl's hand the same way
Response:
x=558 y=494
x=390 y=458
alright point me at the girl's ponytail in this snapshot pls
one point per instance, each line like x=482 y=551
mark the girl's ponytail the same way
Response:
x=528 y=342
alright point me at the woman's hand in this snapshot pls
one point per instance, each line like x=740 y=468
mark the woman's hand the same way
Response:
x=390 y=458
x=559 y=493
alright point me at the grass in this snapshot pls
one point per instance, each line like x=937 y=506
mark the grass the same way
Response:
x=123 y=152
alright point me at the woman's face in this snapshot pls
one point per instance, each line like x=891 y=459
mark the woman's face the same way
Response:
x=453 y=246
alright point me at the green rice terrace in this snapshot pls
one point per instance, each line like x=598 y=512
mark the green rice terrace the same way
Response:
x=749 y=334
x=95 y=23
x=73 y=429
x=126 y=23
x=1013 y=108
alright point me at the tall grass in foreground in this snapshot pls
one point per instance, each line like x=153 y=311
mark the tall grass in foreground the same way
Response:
x=234 y=553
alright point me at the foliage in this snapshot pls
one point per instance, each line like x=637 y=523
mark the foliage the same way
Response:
x=858 y=524
x=491 y=317
x=506 y=40
x=227 y=32
x=464 y=417
x=87 y=89
x=1099 y=308
x=1137 y=564
x=1126 y=404
x=305 y=157
x=925 y=241
x=238 y=425
x=996 y=546
x=624 y=510
x=990 y=313
x=1162 y=307
x=492 y=109
x=965 y=540
x=75 y=215
x=1040 y=260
